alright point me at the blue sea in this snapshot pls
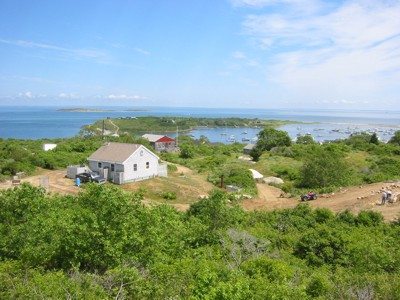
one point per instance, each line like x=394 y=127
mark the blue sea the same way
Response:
x=49 y=122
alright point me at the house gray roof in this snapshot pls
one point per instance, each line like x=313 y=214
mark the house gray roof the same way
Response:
x=152 y=137
x=249 y=146
x=114 y=152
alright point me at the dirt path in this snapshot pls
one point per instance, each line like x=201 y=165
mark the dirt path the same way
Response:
x=355 y=199
x=53 y=180
x=190 y=185
x=115 y=125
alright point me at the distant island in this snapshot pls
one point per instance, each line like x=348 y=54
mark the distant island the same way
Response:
x=80 y=109
x=140 y=125
x=136 y=109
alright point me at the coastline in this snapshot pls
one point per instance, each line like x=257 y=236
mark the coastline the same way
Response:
x=44 y=122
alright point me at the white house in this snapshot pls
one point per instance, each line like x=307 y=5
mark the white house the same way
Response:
x=121 y=163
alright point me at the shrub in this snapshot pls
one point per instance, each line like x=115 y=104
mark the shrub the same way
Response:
x=369 y=218
x=268 y=139
x=168 y=195
x=172 y=168
x=325 y=168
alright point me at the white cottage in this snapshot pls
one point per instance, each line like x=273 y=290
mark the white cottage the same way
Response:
x=121 y=163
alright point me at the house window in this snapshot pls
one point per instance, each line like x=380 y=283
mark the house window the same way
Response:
x=147 y=165
x=99 y=165
x=112 y=167
x=134 y=167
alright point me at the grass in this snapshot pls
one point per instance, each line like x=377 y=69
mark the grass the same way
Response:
x=187 y=187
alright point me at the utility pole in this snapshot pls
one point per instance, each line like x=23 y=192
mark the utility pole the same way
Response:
x=102 y=131
x=177 y=135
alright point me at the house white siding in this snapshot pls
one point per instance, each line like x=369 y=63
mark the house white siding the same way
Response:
x=146 y=162
x=94 y=166
x=140 y=158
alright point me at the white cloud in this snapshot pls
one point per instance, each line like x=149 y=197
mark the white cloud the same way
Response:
x=142 y=51
x=29 y=95
x=244 y=60
x=303 y=6
x=92 y=54
x=238 y=55
x=125 y=97
x=26 y=95
x=68 y=96
x=352 y=50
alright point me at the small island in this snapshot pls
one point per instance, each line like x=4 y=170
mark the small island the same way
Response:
x=140 y=125
x=80 y=109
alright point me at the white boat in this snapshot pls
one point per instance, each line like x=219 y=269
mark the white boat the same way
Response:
x=232 y=138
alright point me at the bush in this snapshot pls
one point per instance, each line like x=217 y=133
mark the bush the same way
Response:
x=323 y=246
x=172 y=168
x=168 y=195
x=268 y=139
x=369 y=218
x=325 y=168
x=235 y=175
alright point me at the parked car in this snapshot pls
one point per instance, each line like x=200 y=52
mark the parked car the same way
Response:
x=90 y=177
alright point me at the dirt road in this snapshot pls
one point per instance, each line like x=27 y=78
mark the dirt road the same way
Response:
x=189 y=186
x=355 y=199
x=53 y=180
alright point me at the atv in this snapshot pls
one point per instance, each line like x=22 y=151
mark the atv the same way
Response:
x=309 y=196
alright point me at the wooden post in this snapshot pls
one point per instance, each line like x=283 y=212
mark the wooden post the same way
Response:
x=102 y=131
x=222 y=181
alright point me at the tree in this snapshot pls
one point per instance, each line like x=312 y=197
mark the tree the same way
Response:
x=374 y=139
x=305 y=139
x=325 y=168
x=268 y=139
x=187 y=151
x=396 y=138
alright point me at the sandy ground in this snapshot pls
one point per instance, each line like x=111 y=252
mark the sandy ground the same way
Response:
x=189 y=186
x=54 y=181
x=355 y=199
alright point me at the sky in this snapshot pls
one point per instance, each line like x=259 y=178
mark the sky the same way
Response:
x=212 y=53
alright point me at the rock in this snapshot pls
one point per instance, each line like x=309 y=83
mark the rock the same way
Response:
x=273 y=180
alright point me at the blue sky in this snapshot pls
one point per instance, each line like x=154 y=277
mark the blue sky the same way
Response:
x=227 y=53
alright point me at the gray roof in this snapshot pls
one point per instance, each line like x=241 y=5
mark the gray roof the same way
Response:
x=152 y=137
x=249 y=146
x=114 y=152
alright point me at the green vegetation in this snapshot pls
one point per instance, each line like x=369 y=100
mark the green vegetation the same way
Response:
x=214 y=160
x=141 y=125
x=104 y=244
x=304 y=165
x=268 y=139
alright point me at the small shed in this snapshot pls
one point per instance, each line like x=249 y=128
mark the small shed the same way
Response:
x=72 y=171
x=247 y=149
x=161 y=143
x=47 y=147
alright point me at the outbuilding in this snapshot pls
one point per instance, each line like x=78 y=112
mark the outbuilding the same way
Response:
x=121 y=163
x=161 y=143
x=247 y=149
x=47 y=147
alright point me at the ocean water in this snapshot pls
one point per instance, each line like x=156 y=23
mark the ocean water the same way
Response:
x=48 y=122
